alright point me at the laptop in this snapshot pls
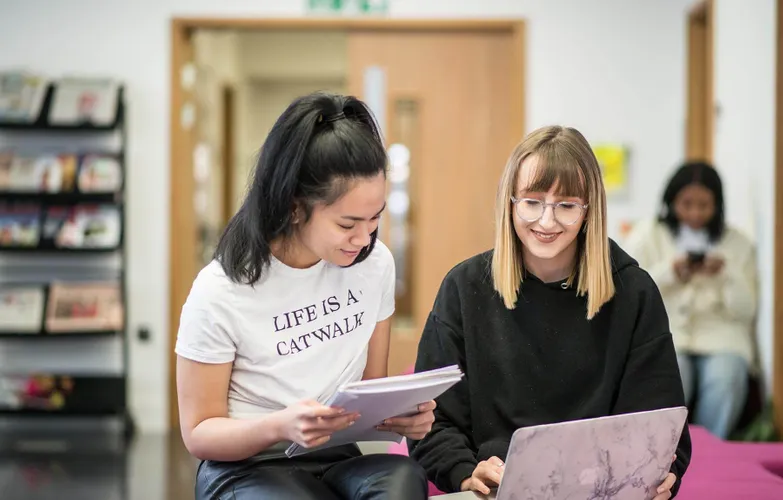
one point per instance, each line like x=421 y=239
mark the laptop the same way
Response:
x=622 y=457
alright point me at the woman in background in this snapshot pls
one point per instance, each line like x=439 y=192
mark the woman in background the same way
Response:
x=296 y=303
x=706 y=272
x=556 y=323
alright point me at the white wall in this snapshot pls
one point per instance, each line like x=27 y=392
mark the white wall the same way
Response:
x=745 y=136
x=277 y=67
x=612 y=68
x=616 y=71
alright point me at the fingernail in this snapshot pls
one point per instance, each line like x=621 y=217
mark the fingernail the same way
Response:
x=351 y=423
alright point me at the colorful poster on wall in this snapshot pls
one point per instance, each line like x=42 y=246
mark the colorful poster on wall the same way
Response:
x=613 y=160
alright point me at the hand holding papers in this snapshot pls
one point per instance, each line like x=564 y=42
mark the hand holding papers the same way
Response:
x=379 y=399
x=415 y=426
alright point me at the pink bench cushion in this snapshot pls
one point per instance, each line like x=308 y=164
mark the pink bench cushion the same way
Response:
x=719 y=470
x=730 y=470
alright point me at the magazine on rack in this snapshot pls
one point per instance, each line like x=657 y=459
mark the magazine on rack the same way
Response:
x=100 y=174
x=84 y=307
x=78 y=101
x=21 y=308
x=83 y=226
x=20 y=225
x=61 y=393
x=21 y=96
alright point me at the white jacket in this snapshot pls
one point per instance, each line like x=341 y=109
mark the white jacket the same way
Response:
x=709 y=314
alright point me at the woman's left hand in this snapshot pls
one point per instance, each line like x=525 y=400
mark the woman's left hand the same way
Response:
x=414 y=427
x=665 y=489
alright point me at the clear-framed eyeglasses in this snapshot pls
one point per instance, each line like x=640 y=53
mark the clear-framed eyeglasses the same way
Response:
x=565 y=212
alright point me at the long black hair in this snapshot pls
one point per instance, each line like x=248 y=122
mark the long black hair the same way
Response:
x=318 y=142
x=705 y=175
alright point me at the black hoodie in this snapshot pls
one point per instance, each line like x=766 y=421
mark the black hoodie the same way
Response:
x=541 y=362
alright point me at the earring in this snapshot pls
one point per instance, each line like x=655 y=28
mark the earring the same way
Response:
x=584 y=228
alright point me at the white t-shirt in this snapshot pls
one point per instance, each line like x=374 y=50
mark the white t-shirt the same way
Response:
x=296 y=334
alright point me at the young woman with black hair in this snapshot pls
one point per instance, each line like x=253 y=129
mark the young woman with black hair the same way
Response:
x=706 y=272
x=295 y=303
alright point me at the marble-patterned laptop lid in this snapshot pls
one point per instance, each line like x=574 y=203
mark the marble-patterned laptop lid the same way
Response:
x=619 y=457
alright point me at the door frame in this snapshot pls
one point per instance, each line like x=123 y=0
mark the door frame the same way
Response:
x=777 y=328
x=181 y=218
x=228 y=152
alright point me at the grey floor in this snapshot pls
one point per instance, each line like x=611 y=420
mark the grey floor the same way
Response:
x=153 y=467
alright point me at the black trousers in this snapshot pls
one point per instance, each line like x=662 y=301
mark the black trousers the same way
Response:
x=339 y=473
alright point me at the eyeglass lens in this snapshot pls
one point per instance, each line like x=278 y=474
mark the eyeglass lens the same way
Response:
x=565 y=213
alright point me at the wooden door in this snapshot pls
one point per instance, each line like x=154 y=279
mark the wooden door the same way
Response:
x=455 y=100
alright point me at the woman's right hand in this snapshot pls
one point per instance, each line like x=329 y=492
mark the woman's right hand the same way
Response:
x=311 y=424
x=486 y=475
x=683 y=269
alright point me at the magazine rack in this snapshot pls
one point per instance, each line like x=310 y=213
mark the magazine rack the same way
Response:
x=63 y=308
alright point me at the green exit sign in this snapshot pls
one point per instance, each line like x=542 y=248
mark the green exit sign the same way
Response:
x=347 y=7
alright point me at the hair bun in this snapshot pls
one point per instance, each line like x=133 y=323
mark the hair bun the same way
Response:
x=336 y=116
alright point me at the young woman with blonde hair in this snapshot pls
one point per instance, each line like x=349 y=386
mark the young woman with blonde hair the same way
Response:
x=556 y=323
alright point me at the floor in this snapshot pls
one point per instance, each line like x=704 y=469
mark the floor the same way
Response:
x=154 y=467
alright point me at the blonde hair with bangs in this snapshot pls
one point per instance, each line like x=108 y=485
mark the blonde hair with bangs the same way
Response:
x=564 y=159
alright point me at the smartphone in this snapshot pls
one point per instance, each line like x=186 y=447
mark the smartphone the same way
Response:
x=696 y=257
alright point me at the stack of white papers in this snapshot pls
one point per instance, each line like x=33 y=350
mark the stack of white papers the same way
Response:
x=378 y=399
